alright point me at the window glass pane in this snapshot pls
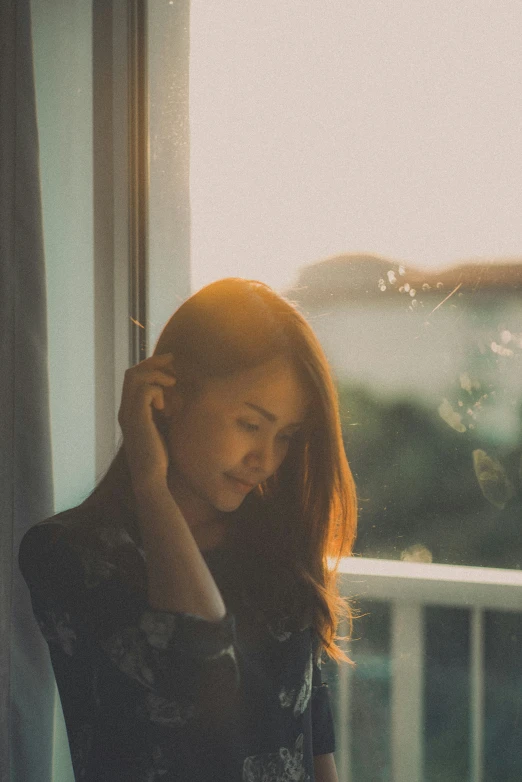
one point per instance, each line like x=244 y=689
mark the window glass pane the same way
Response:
x=503 y=634
x=62 y=40
x=365 y=159
x=447 y=694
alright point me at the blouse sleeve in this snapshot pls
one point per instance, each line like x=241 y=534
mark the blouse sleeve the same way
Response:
x=323 y=734
x=81 y=603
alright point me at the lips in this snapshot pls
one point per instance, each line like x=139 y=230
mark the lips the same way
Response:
x=241 y=484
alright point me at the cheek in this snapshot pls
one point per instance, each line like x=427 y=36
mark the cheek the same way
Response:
x=201 y=443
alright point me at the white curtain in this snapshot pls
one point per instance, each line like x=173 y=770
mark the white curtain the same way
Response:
x=27 y=683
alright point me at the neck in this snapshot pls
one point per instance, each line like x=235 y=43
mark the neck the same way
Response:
x=197 y=512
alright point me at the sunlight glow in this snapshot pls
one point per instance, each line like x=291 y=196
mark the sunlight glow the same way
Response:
x=324 y=128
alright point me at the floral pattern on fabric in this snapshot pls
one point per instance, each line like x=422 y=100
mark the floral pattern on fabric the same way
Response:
x=58 y=630
x=166 y=711
x=160 y=767
x=298 y=698
x=137 y=684
x=283 y=766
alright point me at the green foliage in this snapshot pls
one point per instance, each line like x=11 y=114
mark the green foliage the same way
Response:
x=423 y=484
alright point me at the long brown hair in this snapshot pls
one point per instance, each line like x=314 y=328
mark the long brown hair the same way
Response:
x=235 y=324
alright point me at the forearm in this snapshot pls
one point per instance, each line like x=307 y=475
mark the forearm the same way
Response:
x=325 y=769
x=178 y=576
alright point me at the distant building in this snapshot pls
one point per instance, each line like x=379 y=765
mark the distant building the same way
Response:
x=404 y=332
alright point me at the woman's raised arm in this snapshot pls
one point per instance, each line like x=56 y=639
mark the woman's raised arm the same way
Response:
x=178 y=576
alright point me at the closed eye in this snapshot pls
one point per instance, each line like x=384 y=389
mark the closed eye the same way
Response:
x=287 y=438
x=247 y=426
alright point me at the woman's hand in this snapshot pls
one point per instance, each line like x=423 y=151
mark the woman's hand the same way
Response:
x=143 y=391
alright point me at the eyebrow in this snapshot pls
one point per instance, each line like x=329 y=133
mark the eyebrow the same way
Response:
x=270 y=416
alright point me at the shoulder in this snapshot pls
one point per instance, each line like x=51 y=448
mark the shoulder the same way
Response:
x=78 y=527
x=42 y=536
x=82 y=541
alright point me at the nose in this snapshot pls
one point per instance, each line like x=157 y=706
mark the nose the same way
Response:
x=263 y=459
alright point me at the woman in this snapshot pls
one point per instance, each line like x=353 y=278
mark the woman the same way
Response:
x=187 y=601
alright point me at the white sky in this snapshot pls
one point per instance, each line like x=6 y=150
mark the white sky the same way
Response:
x=388 y=126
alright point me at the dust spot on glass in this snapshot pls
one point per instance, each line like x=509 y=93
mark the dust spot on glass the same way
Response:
x=426 y=286
x=417 y=553
x=492 y=479
x=467 y=384
x=392 y=279
x=402 y=270
x=382 y=284
x=450 y=416
x=500 y=350
x=439 y=285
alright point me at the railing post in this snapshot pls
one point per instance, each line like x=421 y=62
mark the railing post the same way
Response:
x=407 y=696
x=477 y=695
x=344 y=735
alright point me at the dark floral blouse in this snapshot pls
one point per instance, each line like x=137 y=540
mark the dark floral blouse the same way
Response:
x=152 y=695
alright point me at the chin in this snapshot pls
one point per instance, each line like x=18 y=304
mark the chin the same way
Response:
x=227 y=506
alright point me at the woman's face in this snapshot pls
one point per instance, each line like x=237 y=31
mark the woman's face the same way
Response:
x=231 y=437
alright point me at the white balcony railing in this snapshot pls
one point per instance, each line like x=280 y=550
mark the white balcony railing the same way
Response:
x=408 y=587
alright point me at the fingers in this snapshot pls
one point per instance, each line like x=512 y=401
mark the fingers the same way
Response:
x=156 y=397
x=159 y=360
x=148 y=387
x=156 y=369
x=144 y=387
x=151 y=376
